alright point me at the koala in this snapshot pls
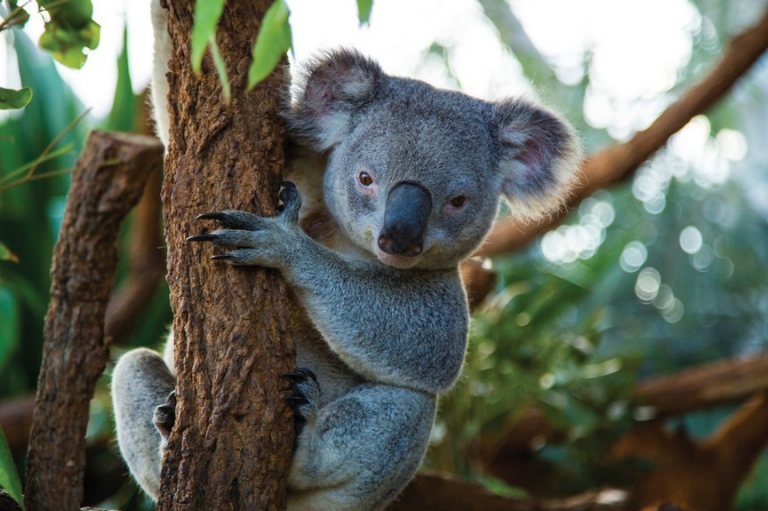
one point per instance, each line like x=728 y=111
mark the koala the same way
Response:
x=391 y=184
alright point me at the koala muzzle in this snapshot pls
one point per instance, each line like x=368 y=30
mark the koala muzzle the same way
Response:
x=406 y=216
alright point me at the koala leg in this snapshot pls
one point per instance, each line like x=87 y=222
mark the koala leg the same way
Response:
x=357 y=452
x=140 y=383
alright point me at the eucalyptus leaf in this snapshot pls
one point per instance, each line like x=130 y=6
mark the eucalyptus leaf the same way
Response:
x=221 y=69
x=9 y=477
x=207 y=14
x=72 y=14
x=273 y=41
x=11 y=99
x=364 y=11
x=67 y=44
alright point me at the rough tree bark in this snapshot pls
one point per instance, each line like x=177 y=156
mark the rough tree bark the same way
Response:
x=107 y=183
x=231 y=445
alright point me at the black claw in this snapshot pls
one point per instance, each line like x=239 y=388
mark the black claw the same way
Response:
x=202 y=237
x=222 y=257
x=211 y=216
x=301 y=374
x=297 y=376
x=166 y=409
x=297 y=400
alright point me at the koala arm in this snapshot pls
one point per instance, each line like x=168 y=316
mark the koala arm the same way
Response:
x=400 y=327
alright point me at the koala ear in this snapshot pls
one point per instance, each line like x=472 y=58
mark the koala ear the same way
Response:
x=538 y=160
x=329 y=91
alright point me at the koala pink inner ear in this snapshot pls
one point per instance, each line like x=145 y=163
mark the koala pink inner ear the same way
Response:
x=538 y=159
x=331 y=90
x=342 y=80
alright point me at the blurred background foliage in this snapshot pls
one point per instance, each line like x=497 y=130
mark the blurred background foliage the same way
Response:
x=661 y=273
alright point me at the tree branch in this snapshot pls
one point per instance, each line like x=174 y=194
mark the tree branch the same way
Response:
x=107 y=182
x=704 y=387
x=618 y=163
x=698 y=388
x=432 y=492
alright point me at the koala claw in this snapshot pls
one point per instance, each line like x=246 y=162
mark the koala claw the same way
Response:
x=234 y=219
x=201 y=237
x=165 y=416
x=305 y=396
x=211 y=216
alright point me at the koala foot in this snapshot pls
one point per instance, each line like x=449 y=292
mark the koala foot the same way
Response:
x=305 y=396
x=165 y=416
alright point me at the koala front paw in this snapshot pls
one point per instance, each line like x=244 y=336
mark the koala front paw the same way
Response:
x=258 y=241
x=165 y=416
x=305 y=396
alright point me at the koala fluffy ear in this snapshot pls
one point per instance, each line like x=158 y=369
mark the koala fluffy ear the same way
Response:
x=328 y=93
x=538 y=160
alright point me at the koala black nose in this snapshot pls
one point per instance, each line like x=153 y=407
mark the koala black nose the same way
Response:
x=406 y=216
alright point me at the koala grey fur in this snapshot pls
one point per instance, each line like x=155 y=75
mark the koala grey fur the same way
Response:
x=396 y=183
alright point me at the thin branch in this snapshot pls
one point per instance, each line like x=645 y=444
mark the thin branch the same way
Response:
x=619 y=162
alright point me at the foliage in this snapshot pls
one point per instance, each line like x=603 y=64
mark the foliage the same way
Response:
x=30 y=213
x=69 y=28
x=69 y=31
x=533 y=347
x=9 y=478
x=273 y=41
x=11 y=99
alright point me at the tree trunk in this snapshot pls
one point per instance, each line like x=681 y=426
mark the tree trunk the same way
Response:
x=231 y=445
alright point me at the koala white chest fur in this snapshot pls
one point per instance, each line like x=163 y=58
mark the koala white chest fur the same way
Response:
x=392 y=184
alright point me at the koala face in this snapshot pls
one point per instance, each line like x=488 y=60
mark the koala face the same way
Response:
x=409 y=184
x=415 y=173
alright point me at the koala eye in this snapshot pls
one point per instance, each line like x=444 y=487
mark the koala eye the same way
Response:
x=365 y=179
x=459 y=201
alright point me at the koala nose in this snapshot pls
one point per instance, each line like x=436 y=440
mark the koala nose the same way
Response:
x=406 y=216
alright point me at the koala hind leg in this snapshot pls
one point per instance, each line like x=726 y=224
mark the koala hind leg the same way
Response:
x=140 y=383
x=360 y=450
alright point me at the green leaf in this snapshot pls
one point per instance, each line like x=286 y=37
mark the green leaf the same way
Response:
x=9 y=478
x=67 y=44
x=11 y=99
x=9 y=324
x=122 y=116
x=207 y=14
x=273 y=41
x=72 y=14
x=364 y=11
x=221 y=69
x=7 y=255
